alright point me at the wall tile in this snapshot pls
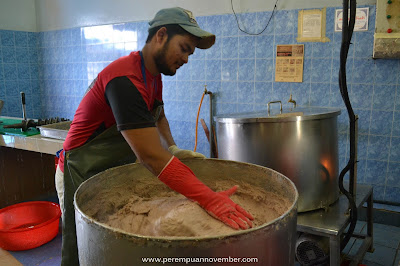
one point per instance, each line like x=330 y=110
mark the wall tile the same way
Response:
x=213 y=70
x=287 y=19
x=364 y=121
x=21 y=39
x=246 y=23
x=23 y=71
x=230 y=48
x=363 y=71
x=361 y=95
x=322 y=50
x=319 y=95
x=396 y=124
x=214 y=52
x=246 y=69
x=7 y=38
x=229 y=25
x=246 y=94
x=10 y=71
x=378 y=148
x=227 y=92
x=9 y=55
x=383 y=97
x=363 y=44
x=246 y=47
x=375 y=173
x=264 y=46
x=263 y=90
x=392 y=194
x=213 y=25
x=385 y=71
x=321 y=70
x=393 y=179
x=229 y=70
x=381 y=122
x=264 y=70
x=395 y=149
x=264 y=24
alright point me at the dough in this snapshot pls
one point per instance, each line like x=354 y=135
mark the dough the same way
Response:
x=171 y=214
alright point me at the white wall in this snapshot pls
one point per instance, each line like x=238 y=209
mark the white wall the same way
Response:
x=62 y=14
x=17 y=15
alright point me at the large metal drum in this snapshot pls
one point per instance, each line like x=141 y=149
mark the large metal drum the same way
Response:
x=301 y=143
x=270 y=244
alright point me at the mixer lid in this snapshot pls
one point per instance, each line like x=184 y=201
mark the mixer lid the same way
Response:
x=276 y=115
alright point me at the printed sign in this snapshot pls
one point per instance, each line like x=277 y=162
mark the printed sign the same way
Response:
x=361 y=23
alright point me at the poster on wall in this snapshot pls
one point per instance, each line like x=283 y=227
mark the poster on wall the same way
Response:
x=311 y=26
x=361 y=23
x=289 y=63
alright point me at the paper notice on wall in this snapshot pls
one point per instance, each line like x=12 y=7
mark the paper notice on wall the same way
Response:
x=289 y=63
x=312 y=25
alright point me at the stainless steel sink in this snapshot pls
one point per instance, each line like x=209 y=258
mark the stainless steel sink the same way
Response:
x=56 y=130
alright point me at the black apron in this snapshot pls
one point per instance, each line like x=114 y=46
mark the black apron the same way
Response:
x=109 y=149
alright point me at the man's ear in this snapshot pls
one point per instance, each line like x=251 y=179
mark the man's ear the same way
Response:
x=161 y=35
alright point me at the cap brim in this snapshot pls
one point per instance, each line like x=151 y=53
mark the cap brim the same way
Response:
x=207 y=39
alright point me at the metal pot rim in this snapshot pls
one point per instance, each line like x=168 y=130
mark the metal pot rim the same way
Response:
x=275 y=116
x=289 y=211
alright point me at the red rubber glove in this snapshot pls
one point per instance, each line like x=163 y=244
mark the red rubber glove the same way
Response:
x=180 y=178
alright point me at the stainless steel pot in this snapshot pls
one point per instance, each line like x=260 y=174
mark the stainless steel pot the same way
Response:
x=301 y=143
x=271 y=244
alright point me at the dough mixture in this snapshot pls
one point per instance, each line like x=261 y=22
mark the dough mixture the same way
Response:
x=171 y=214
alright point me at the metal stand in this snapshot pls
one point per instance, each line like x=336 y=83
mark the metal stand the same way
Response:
x=333 y=222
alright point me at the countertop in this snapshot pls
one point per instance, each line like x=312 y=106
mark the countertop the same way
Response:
x=36 y=143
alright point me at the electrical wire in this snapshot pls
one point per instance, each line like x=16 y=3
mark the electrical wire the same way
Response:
x=237 y=21
x=347 y=32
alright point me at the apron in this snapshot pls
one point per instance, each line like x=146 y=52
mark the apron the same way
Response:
x=107 y=150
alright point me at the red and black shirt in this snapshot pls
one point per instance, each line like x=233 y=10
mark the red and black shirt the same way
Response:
x=117 y=96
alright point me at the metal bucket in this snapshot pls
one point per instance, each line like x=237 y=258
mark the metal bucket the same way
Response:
x=301 y=143
x=272 y=243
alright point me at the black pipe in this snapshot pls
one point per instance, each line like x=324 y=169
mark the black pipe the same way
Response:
x=347 y=32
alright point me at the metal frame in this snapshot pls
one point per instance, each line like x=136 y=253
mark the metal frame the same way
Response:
x=333 y=222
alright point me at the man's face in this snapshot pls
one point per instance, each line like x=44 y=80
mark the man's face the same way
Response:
x=174 y=53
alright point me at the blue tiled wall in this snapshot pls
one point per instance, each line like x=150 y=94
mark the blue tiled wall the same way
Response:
x=19 y=71
x=238 y=69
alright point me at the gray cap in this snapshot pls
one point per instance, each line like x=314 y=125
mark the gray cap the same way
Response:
x=186 y=20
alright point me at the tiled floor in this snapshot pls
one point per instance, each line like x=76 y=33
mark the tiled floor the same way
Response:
x=386 y=244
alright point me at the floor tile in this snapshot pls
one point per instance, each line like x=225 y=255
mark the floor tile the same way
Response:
x=7 y=259
x=370 y=263
x=386 y=207
x=385 y=235
x=382 y=255
x=49 y=252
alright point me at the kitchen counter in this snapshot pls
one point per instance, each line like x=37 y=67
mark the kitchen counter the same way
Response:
x=35 y=143
x=27 y=167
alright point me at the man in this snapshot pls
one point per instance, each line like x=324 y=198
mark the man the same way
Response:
x=122 y=112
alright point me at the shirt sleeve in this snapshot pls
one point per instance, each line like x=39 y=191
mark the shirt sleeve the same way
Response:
x=127 y=104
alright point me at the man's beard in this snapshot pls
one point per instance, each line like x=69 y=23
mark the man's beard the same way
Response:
x=160 y=59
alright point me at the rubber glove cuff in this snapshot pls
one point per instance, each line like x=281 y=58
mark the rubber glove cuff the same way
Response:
x=184 y=154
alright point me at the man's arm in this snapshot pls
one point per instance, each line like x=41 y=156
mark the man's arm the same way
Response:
x=146 y=144
x=164 y=130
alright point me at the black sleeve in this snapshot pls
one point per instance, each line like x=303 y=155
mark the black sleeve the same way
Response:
x=129 y=108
